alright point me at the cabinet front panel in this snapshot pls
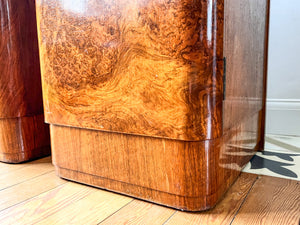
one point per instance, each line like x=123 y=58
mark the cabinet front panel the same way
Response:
x=146 y=67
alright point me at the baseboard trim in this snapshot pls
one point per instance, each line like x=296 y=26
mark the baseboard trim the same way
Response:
x=283 y=116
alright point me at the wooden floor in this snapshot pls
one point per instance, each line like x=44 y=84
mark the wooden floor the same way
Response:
x=31 y=193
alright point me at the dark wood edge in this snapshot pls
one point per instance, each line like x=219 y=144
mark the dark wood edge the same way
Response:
x=265 y=80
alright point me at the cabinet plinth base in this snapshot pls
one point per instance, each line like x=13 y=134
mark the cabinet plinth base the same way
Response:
x=190 y=176
x=23 y=139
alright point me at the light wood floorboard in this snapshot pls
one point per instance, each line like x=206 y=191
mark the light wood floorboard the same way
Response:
x=31 y=193
x=91 y=209
x=26 y=190
x=34 y=169
x=271 y=201
x=8 y=168
x=140 y=212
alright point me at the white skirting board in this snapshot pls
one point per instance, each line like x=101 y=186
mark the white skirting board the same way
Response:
x=283 y=117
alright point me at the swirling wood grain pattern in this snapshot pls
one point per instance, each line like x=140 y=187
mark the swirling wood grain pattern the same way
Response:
x=153 y=67
x=148 y=67
x=20 y=79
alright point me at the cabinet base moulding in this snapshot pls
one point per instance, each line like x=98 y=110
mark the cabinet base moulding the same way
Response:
x=184 y=203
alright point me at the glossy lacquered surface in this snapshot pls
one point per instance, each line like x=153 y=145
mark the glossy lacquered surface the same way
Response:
x=152 y=68
x=134 y=91
x=244 y=50
x=23 y=134
x=190 y=176
x=23 y=139
x=20 y=83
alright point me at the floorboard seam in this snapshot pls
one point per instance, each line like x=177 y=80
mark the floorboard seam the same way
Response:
x=115 y=212
x=26 y=180
x=244 y=200
x=32 y=197
x=74 y=202
x=170 y=217
x=14 y=169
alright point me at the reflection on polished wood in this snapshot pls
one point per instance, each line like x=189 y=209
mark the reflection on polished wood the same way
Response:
x=23 y=138
x=23 y=134
x=133 y=91
x=140 y=67
x=185 y=175
x=244 y=44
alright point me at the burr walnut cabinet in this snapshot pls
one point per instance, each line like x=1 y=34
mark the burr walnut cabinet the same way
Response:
x=161 y=100
x=23 y=133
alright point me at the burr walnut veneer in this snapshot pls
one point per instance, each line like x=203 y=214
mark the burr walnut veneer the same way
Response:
x=137 y=99
x=23 y=133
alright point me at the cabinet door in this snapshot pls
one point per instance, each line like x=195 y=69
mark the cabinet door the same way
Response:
x=150 y=68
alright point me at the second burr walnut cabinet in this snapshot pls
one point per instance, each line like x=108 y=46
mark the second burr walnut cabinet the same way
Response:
x=23 y=133
x=137 y=99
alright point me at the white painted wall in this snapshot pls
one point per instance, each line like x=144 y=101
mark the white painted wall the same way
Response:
x=283 y=105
